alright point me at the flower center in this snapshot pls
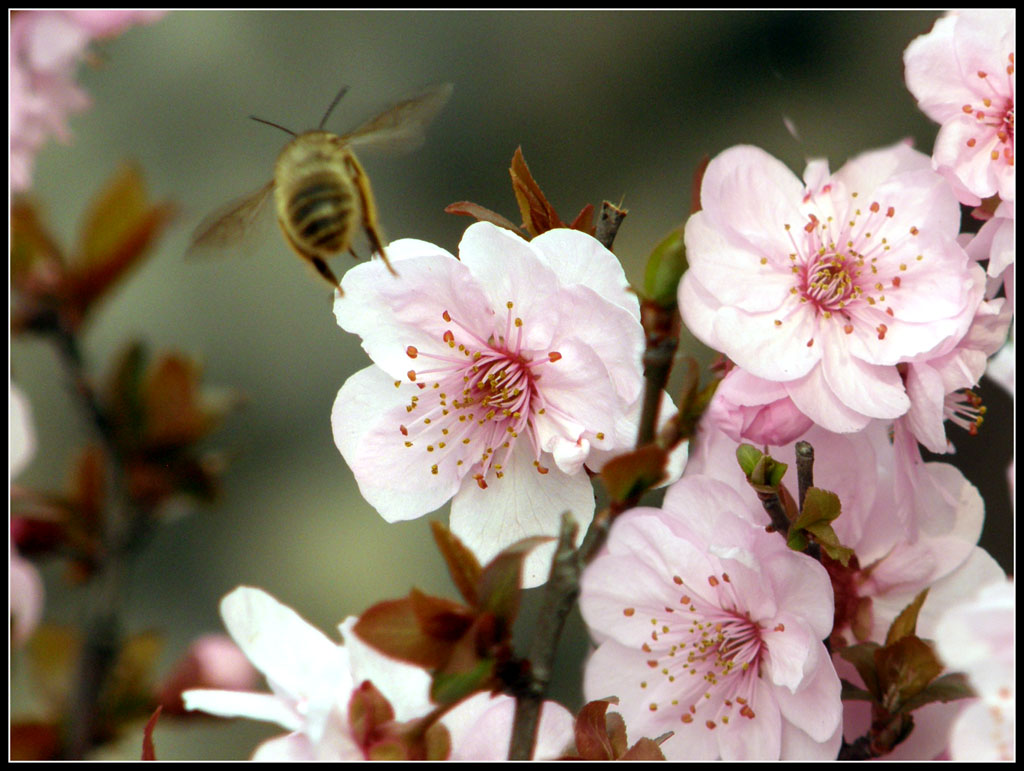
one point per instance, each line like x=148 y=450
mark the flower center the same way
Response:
x=994 y=113
x=710 y=654
x=478 y=399
x=841 y=266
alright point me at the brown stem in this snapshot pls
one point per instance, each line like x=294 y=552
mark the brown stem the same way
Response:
x=123 y=530
x=559 y=596
x=608 y=223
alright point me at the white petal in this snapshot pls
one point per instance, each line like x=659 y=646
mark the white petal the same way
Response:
x=406 y=687
x=255 y=706
x=293 y=654
x=522 y=503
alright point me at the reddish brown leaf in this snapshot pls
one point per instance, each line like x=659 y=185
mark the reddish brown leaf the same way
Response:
x=644 y=749
x=501 y=580
x=482 y=214
x=538 y=215
x=463 y=565
x=592 y=740
x=394 y=629
x=368 y=710
x=634 y=472
x=585 y=220
x=173 y=416
x=148 y=749
x=120 y=226
x=34 y=740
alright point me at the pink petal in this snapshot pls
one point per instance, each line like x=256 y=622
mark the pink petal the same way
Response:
x=392 y=313
x=869 y=389
x=812 y=395
x=367 y=415
x=733 y=270
x=815 y=707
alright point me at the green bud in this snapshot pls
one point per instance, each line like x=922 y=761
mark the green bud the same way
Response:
x=665 y=267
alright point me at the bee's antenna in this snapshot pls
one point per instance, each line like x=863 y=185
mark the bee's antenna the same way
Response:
x=260 y=120
x=334 y=104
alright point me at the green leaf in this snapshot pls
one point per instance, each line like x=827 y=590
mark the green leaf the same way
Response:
x=748 y=457
x=906 y=622
x=463 y=565
x=819 y=506
x=665 y=267
x=949 y=687
x=450 y=687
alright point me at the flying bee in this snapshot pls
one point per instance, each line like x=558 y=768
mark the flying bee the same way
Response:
x=320 y=190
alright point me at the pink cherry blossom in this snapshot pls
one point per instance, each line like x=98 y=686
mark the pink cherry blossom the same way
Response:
x=912 y=525
x=977 y=637
x=712 y=628
x=962 y=75
x=45 y=50
x=825 y=286
x=495 y=377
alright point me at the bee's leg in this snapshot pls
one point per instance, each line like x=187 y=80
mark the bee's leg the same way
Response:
x=315 y=260
x=353 y=253
x=327 y=273
x=369 y=211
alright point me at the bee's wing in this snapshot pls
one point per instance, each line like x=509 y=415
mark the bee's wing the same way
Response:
x=231 y=226
x=401 y=126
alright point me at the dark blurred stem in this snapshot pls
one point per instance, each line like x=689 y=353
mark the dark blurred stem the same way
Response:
x=772 y=503
x=124 y=529
x=559 y=597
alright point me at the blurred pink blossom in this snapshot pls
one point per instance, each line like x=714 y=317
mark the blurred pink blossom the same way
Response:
x=977 y=637
x=825 y=286
x=962 y=74
x=710 y=627
x=26 y=585
x=45 y=50
x=212 y=661
x=496 y=377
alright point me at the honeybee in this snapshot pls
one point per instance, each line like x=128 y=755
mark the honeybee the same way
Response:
x=320 y=190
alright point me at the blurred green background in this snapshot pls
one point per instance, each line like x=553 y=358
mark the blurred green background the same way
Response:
x=605 y=104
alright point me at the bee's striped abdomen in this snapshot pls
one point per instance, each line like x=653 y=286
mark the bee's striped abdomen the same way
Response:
x=321 y=212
